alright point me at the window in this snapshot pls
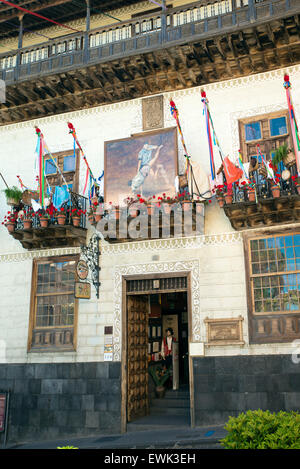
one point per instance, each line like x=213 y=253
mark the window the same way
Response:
x=273 y=272
x=269 y=131
x=53 y=305
x=68 y=164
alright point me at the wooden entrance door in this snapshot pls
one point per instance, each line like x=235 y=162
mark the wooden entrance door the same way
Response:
x=137 y=357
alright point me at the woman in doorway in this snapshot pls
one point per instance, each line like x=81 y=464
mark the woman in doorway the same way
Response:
x=167 y=348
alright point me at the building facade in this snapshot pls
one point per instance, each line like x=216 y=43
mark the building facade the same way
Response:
x=236 y=279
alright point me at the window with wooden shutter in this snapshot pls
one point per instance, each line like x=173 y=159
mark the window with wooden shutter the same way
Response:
x=68 y=163
x=53 y=305
x=270 y=131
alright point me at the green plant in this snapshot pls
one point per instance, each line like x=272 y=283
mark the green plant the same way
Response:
x=263 y=430
x=281 y=154
x=13 y=193
x=67 y=447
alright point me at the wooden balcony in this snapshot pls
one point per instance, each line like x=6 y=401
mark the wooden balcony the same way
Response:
x=53 y=235
x=180 y=220
x=189 y=46
x=269 y=208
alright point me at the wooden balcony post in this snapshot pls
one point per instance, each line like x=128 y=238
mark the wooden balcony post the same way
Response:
x=20 y=43
x=252 y=11
x=87 y=28
x=164 y=21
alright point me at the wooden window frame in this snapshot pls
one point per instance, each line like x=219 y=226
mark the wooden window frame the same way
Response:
x=259 y=118
x=267 y=317
x=33 y=309
x=63 y=154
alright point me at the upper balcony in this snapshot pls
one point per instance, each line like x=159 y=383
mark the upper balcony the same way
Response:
x=187 y=46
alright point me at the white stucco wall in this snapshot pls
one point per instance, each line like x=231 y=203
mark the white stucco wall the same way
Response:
x=221 y=290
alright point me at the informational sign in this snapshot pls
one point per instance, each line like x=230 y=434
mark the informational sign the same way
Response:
x=108 y=348
x=83 y=290
x=170 y=320
x=82 y=270
x=3 y=398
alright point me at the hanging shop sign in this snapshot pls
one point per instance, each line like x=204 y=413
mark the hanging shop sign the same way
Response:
x=82 y=269
x=83 y=290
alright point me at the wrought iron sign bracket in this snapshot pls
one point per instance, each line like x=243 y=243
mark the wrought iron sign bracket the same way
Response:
x=91 y=254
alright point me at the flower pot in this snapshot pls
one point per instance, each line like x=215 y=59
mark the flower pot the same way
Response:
x=160 y=391
x=151 y=209
x=275 y=191
x=28 y=195
x=27 y=224
x=133 y=212
x=44 y=222
x=12 y=202
x=251 y=195
x=61 y=219
x=220 y=200
x=228 y=198
x=167 y=208
x=76 y=221
x=10 y=226
x=186 y=205
x=199 y=207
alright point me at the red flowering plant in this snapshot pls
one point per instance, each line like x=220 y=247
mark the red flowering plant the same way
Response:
x=220 y=190
x=248 y=185
x=45 y=213
x=10 y=218
x=77 y=212
x=28 y=213
x=62 y=212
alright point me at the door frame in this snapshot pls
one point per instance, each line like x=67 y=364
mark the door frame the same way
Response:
x=125 y=278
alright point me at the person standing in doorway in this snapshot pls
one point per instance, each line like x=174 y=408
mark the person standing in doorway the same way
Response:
x=167 y=348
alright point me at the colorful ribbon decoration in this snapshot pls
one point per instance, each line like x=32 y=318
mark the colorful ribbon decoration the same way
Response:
x=209 y=124
x=175 y=114
x=293 y=121
x=89 y=175
x=259 y=153
x=41 y=166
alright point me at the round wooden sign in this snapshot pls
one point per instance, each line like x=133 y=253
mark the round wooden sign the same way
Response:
x=82 y=270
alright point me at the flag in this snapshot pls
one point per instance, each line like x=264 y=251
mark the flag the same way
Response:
x=232 y=172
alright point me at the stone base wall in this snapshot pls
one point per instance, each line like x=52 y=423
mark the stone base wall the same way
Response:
x=49 y=401
x=225 y=386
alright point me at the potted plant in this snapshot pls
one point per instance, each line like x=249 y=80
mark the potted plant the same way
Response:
x=10 y=221
x=296 y=181
x=27 y=217
x=13 y=195
x=151 y=205
x=61 y=216
x=251 y=191
x=76 y=214
x=44 y=218
x=284 y=154
x=275 y=186
x=219 y=192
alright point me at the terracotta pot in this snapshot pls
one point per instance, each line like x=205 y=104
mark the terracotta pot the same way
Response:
x=91 y=219
x=10 y=226
x=220 y=200
x=228 y=198
x=167 y=208
x=186 y=204
x=44 y=222
x=61 y=219
x=251 y=195
x=199 y=207
x=133 y=212
x=76 y=221
x=27 y=224
x=275 y=191
x=151 y=209
x=116 y=213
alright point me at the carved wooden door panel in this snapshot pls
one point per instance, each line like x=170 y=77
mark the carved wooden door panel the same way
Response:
x=137 y=357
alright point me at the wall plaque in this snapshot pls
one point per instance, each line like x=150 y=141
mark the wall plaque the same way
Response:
x=82 y=269
x=226 y=331
x=83 y=290
x=153 y=113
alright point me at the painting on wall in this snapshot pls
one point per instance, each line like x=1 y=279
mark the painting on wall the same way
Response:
x=144 y=164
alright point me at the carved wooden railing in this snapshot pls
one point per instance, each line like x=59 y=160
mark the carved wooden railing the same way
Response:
x=181 y=24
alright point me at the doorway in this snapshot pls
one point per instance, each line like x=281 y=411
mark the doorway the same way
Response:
x=151 y=306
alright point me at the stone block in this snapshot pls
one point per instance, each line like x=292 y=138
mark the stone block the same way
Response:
x=52 y=386
x=92 y=419
x=87 y=402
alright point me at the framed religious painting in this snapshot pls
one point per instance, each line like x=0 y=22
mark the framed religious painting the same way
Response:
x=145 y=164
